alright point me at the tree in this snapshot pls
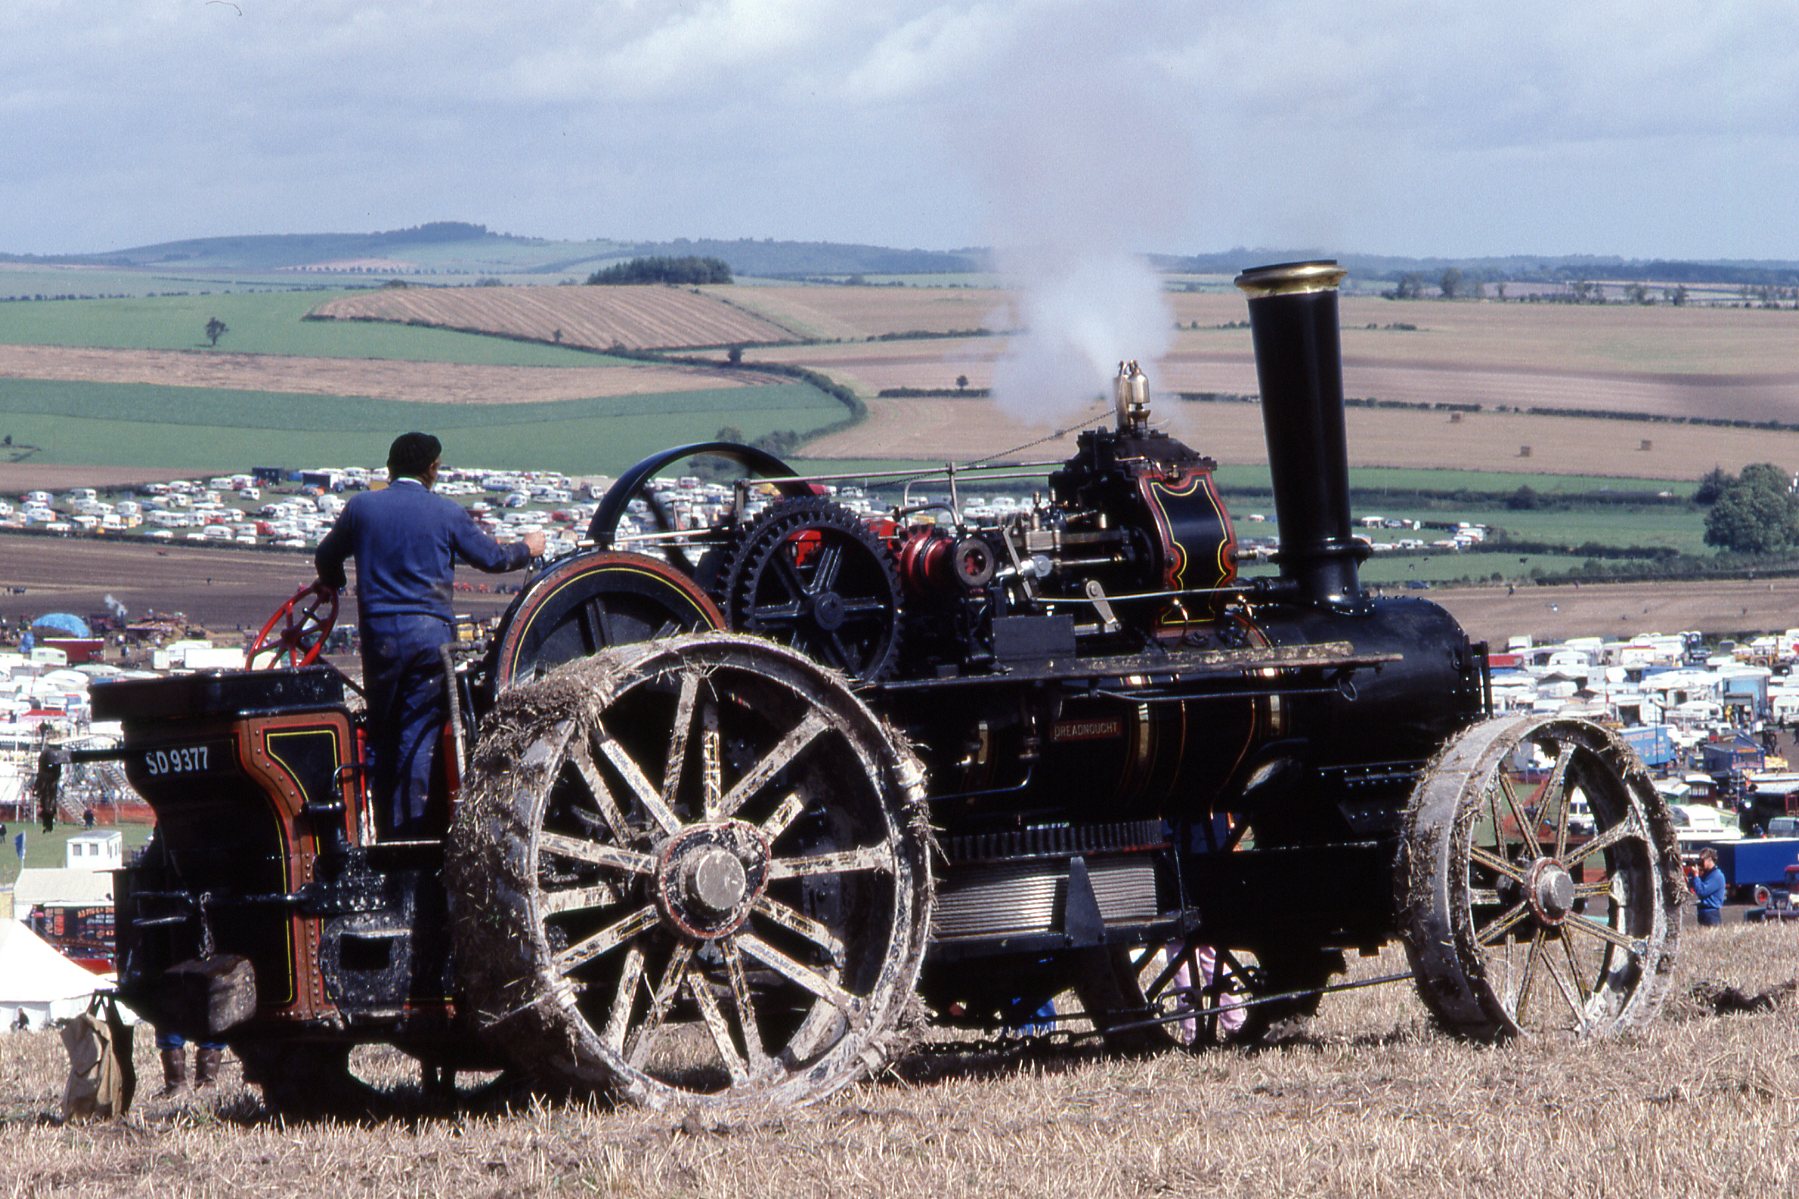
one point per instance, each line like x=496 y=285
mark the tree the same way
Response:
x=1451 y=283
x=961 y=382
x=1711 y=486
x=215 y=329
x=1411 y=286
x=734 y=355
x=1756 y=513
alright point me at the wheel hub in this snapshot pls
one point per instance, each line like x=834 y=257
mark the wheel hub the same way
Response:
x=827 y=611
x=709 y=876
x=1549 y=889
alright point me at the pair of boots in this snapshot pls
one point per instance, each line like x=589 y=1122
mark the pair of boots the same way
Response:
x=174 y=1068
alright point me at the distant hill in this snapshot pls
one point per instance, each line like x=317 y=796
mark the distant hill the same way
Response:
x=461 y=248
x=1523 y=268
x=455 y=247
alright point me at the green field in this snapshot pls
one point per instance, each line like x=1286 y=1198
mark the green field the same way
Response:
x=45 y=850
x=180 y=428
x=262 y=323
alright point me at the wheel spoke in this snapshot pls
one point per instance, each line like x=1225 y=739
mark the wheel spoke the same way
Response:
x=1501 y=924
x=745 y=1004
x=845 y=657
x=707 y=1002
x=677 y=740
x=787 y=572
x=794 y=972
x=1526 y=828
x=1575 y=972
x=783 y=816
x=1603 y=931
x=578 y=899
x=773 y=762
x=1625 y=829
x=1530 y=961
x=829 y=565
x=798 y=922
x=1483 y=896
x=1558 y=785
x=663 y=998
x=711 y=767
x=1562 y=985
x=634 y=779
x=603 y=801
x=610 y=856
x=866 y=606
x=607 y=939
x=1495 y=863
x=845 y=861
x=618 y=1017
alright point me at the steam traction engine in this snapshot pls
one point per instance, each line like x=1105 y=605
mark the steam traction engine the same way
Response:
x=728 y=811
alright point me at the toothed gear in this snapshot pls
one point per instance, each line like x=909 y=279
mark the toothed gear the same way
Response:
x=809 y=573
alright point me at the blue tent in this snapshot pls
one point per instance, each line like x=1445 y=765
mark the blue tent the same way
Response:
x=61 y=624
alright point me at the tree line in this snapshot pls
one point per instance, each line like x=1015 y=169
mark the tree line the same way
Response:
x=685 y=272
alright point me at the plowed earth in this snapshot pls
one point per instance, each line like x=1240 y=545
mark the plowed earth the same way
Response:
x=638 y=318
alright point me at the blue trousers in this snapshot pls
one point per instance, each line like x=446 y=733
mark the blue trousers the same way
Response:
x=1711 y=917
x=407 y=707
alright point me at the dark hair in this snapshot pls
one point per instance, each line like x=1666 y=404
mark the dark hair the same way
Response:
x=412 y=455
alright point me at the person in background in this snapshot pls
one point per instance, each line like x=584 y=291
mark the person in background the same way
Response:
x=1708 y=884
x=406 y=542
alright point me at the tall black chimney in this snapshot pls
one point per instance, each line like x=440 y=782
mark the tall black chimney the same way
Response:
x=1299 y=364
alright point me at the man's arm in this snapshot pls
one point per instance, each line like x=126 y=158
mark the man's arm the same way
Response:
x=333 y=550
x=1710 y=886
x=484 y=553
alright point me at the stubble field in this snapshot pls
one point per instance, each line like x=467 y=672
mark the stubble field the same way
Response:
x=1366 y=1100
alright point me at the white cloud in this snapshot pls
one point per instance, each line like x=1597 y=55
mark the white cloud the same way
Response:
x=1388 y=125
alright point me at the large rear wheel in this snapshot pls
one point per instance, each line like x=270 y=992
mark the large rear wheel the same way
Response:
x=692 y=872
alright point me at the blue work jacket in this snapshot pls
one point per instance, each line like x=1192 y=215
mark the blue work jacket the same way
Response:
x=406 y=542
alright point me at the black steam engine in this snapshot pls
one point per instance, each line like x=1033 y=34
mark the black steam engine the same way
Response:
x=724 y=802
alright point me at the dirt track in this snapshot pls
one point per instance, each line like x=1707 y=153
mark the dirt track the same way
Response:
x=222 y=589
x=219 y=589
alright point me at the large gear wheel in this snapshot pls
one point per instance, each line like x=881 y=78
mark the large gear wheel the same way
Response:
x=809 y=573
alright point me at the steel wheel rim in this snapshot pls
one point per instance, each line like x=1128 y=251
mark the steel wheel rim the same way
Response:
x=755 y=930
x=1529 y=928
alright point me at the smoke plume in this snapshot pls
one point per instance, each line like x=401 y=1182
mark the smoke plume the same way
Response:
x=1084 y=160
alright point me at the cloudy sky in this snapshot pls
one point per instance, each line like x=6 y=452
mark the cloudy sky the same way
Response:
x=1645 y=129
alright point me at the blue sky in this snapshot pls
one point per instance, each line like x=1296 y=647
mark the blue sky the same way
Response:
x=1642 y=129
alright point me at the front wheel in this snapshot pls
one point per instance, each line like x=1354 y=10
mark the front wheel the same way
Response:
x=1514 y=923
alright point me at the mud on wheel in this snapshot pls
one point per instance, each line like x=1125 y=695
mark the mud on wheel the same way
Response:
x=1512 y=921
x=691 y=872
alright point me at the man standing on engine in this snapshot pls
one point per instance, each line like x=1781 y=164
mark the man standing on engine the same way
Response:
x=406 y=542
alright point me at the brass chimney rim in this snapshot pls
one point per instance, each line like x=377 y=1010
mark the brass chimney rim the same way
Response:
x=1291 y=278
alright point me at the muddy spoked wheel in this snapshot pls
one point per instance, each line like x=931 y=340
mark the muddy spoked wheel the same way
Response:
x=1513 y=922
x=691 y=872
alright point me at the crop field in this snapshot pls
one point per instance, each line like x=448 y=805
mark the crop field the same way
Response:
x=638 y=318
x=392 y=379
x=828 y=313
x=1368 y=1099
x=261 y=323
x=193 y=428
x=937 y=429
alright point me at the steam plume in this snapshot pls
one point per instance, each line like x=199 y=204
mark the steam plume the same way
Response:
x=1084 y=160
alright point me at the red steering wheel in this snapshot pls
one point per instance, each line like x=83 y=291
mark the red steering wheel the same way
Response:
x=297 y=630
